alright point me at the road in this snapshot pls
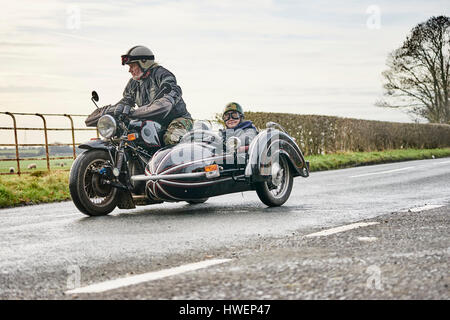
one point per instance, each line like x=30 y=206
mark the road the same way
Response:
x=392 y=242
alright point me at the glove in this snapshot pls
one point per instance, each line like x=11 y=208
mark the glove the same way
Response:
x=108 y=109
x=118 y=109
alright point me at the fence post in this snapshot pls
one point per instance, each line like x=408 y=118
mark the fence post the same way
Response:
x=73 y=134
x=16 y=141
x=46 y=140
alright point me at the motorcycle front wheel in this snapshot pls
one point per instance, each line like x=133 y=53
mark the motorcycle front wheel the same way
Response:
x=90 y=195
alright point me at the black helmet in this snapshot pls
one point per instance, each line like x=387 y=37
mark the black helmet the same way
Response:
x=140 y=54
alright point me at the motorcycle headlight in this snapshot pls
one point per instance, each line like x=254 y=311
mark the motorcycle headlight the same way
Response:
x=106 y=126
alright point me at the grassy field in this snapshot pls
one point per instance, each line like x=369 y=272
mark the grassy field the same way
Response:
x=40 y=164
x=41 y=186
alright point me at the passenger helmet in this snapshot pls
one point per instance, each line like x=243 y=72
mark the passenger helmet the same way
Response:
x=140 y=54
x=233 y=106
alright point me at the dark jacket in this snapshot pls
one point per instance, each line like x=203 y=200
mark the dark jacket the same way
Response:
x=143 y=92
x=245 y=131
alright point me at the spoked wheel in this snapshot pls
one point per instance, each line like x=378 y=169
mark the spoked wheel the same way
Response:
x=276 y=191
x=90 y=195
x=197 y=201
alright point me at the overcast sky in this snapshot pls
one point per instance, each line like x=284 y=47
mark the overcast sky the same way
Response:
x=307 y=57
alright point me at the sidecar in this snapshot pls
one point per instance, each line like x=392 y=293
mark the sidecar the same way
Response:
x=202 y=165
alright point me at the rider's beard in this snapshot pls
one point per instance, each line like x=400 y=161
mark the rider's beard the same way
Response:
x=138 y=76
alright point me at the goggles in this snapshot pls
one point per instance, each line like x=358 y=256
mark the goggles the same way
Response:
x=233 y=115
x=127 y=58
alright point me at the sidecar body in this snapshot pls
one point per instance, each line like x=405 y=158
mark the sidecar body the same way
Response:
x=200 y=167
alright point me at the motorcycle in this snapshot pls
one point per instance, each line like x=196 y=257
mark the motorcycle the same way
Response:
x=130 y=166
x=99 y=179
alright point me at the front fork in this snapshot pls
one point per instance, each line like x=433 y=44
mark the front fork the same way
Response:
x=120 y=155
x=111 y=173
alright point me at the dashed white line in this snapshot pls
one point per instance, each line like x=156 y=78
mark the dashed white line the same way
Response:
x=381 y=172
x=133 y=280
x=340 y=229
x=72 y=215
x=425 y=207
x=367 y=239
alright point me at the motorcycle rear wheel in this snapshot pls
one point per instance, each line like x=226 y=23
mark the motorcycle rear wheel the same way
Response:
x=89 y=194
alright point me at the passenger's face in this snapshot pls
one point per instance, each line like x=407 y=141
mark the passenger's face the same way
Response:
x=232 y=119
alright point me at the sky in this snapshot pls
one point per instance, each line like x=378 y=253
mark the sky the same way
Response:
x=305 y=57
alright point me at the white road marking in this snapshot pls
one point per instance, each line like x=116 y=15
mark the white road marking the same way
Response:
x=381 y=172
x=444 y=162
x=340 y=229
x=133 y=280
x=367 y=239
x=421 y=254
x=69 y=215
x=425 y=207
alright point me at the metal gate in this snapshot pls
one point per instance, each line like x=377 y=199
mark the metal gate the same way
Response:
x=44 y=128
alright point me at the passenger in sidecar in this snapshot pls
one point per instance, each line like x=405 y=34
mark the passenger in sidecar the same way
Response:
x=233 y=117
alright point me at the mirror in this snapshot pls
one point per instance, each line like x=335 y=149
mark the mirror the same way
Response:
x=274 y=125
x=95 y=96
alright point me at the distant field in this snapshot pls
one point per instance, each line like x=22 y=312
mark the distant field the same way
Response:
x=40 y=164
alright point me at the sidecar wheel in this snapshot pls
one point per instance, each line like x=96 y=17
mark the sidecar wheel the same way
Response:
x=277 y=191
x=198 y=201
x=89 y=195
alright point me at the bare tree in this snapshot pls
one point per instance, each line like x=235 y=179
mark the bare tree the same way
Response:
x=418 y=76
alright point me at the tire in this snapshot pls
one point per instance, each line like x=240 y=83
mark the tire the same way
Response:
x=198 y=201
x=272 y=195
x=88 y=194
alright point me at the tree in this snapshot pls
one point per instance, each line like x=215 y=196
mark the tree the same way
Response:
x=417 y=78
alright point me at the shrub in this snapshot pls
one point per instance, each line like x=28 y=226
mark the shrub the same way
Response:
x=327 y=134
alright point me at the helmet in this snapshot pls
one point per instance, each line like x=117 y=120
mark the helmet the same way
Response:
x=140 y=54
x=233 y=106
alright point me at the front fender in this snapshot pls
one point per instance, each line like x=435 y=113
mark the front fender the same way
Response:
x=96 y=144
x=272 y=143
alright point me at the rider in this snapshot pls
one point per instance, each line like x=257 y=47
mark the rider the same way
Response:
x=233 y=116
x=148 y=78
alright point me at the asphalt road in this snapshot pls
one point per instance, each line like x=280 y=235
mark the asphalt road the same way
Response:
x=48 y=250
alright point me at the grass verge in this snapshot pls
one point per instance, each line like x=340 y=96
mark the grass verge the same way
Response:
x=38 y=187
x=355 y=159
x=41 y=187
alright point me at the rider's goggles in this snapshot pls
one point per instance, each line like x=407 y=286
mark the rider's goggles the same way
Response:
x=127 y=58
x=232 y=114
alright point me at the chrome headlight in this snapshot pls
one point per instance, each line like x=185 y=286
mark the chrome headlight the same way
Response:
x=106 y=126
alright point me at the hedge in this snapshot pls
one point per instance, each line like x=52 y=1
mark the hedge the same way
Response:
x=327 y=134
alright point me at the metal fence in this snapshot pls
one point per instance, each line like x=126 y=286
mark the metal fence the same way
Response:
x=46 y=129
